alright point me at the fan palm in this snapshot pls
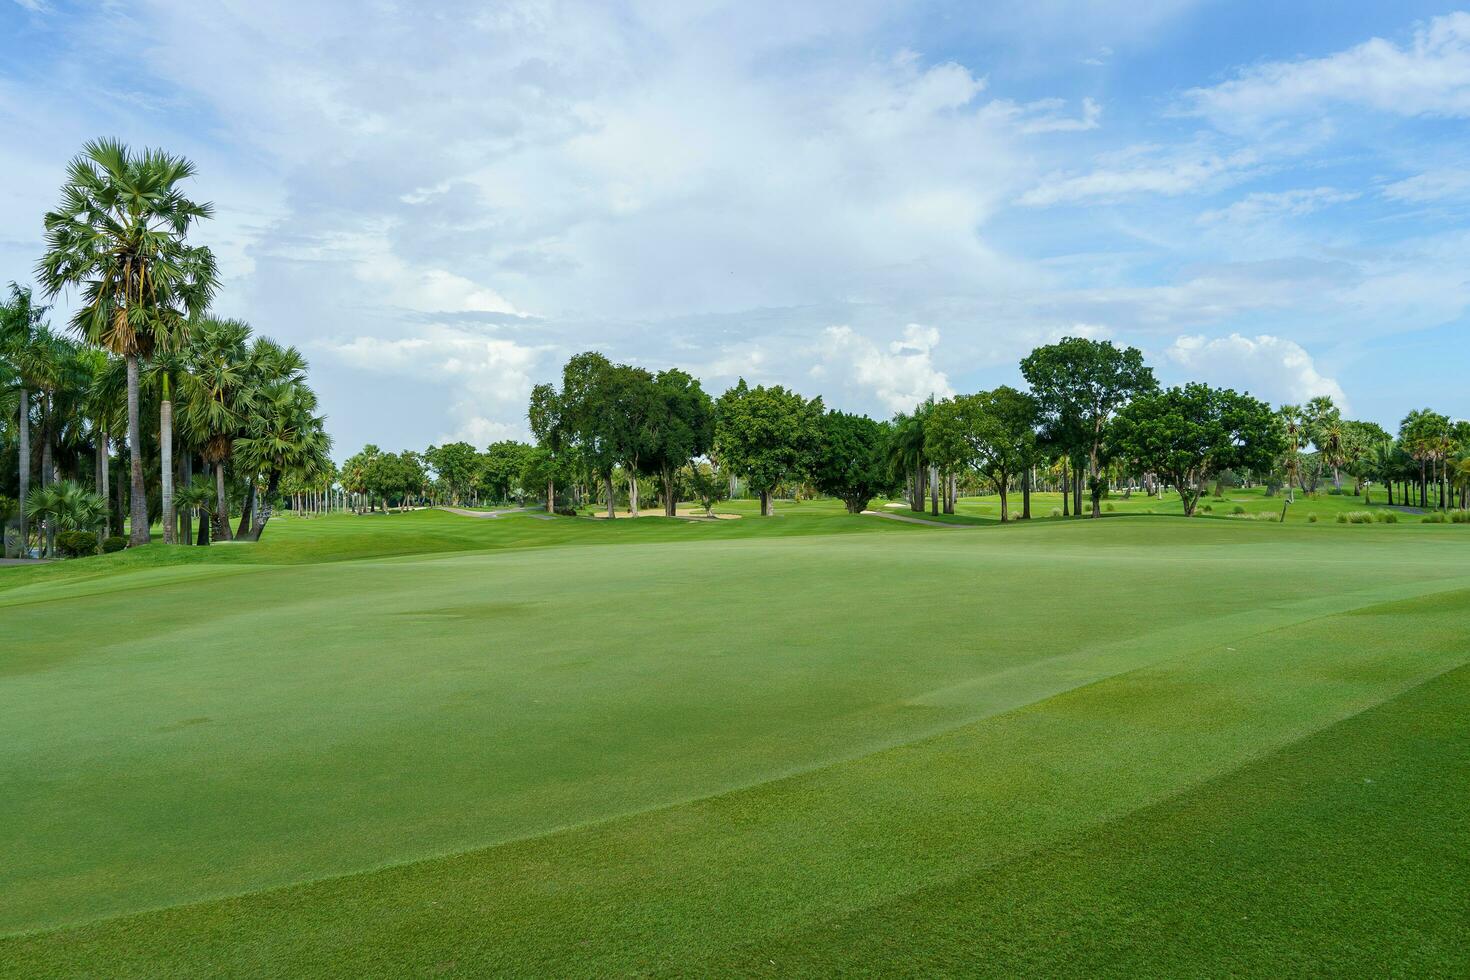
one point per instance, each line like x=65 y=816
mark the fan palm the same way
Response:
x=215 y=391
x=65 y=506
x=197 y=497
x=119 y=235
x=20 y=322
x=284 y=436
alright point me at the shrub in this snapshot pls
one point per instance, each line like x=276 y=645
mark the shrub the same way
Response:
x=1311 y=518
x=566 y=511
x=1342 y=518
x=1386 y=517
x=1460 y=517
x=1109 y=506
x=1207 y=509
x=1355 y=517
x=75 y=544
x=1056 y=512
x=114 y=544
x=1435 y=518
x=1237 y=509
x=1266 y=515
x=1334 y=491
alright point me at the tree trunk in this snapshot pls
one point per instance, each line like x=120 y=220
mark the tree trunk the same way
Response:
x=166 y=467
x=203 y=538
x=247 y=511
x=138 y=491
x=632 y=496
x=221 y=504
x=916 y=502
x=1067 y=487
x=24 y=464
x=186 y=516
x=1005 y=509
x=1094 y=483
x=1026 y=495
x=766 y=509
x=1077 y=488
x=272 y=484
x=612 y=507
x=671 y=506
x=550 y=495
x=934 y=491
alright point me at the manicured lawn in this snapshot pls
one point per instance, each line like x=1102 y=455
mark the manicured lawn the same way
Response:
x=816 y=744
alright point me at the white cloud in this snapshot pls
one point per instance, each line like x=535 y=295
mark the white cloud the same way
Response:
x=901 y=376
x=485 y=381
x=1273 y=368
x=1262 y=205
x=1430 y=186
x=1145 y=170
x=1428 y=76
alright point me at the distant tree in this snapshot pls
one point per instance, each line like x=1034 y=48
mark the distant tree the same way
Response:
x=457 y=465
x=547 y=414
x=1080 y=385
x=992 y=431
x=586 y=411
x=708 y=485
x=906 y=452
x=850 y=459
x=766 y=434
x=1324 y=427
x=680 y=427
x=355 y=474
x=1186 y=434
x=502 y=468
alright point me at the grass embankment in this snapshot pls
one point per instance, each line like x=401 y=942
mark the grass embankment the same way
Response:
x=1142 y=745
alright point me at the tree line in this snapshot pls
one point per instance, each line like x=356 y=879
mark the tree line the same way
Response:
x=1093 y=418
x=206 y=419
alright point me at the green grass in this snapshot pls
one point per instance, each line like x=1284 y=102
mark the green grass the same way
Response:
x=815 y=744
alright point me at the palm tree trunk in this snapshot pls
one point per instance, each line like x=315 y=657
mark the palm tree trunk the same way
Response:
x=916 y=503
x=166 y=467
x=138 y=501
x=247 y=512
x=221 y=504
x=24 y=467
x=934 y=490
x=105 y=468
x=186 y=516
x=47 y=454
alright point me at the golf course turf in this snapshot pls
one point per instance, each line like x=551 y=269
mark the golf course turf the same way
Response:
x=427 y=744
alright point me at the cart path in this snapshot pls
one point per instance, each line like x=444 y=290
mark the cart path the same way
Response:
x=919 y=520
x=483 y=514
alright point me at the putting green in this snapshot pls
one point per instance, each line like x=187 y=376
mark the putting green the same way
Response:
x=567 y=747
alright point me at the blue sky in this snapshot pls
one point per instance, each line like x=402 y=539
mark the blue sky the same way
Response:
x=438 y=203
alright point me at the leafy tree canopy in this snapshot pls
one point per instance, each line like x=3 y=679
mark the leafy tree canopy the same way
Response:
x=850 y=459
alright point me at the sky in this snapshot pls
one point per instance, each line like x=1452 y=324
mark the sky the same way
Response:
x=439 y=202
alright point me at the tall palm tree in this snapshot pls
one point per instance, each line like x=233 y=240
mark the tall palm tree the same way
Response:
x=907 y=454
x=119 y=235
x=284 y=437
x=163 y=371
x=215 y=392
x=21 y=321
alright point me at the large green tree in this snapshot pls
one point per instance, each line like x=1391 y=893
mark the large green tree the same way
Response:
x=1186 y=434
x=991 y=431
x=766 y=434
x=850 y=459
x=680 y=428
x=1080 y=385
x=457 y=465
x=120 y=234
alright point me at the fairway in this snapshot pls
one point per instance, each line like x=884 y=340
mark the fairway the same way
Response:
x=820 y=743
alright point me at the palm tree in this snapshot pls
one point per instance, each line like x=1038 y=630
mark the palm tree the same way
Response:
x=65 y=506
x=119 y=236
x=283 y=437
x=197 y=497
x=215 y=392
x=20 y=322
x=164 y=368
x=906 y=453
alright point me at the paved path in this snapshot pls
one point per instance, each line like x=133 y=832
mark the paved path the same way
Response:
x=22 y=561
x=919 y=520
x=528 y=511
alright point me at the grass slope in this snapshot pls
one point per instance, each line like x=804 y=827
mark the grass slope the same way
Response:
x=1063 y=748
